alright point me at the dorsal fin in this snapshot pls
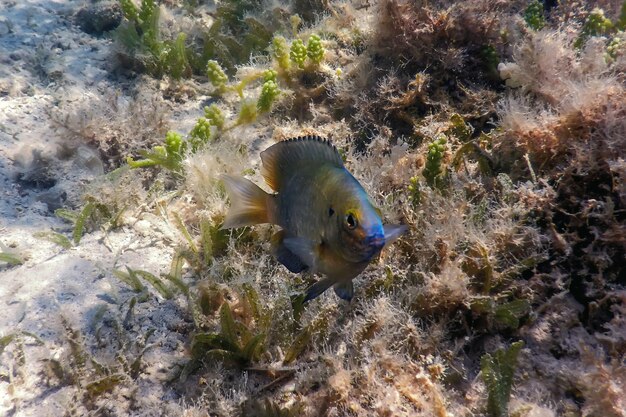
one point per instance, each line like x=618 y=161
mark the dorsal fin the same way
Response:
x=282 y=158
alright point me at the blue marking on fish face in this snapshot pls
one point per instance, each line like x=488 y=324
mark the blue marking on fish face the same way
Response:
x=375 y=237
x=362 y=235
x=373 y=231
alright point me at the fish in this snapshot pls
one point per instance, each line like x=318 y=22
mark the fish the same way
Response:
x=329 y=225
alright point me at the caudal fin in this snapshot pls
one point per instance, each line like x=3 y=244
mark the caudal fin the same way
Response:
x=249 y=204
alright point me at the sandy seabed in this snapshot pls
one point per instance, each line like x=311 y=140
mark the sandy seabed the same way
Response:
x=48 y=62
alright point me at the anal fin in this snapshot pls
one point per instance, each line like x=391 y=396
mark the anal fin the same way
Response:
x=318 y=288
x=344 y=290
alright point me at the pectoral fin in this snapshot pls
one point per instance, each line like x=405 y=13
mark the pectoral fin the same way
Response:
x=344 y=290
x=286 y=257
x=305 y=249
x=393 y=232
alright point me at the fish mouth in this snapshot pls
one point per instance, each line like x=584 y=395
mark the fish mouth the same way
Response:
x=376 y=242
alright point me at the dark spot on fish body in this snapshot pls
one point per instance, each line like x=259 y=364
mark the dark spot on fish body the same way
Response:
x=331 y=212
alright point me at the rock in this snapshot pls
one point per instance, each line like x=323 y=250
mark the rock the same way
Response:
x=98 y=18
x=55 y=70
x=54 y=198
x=89 y=160
x=35 y=169
x=5 y=27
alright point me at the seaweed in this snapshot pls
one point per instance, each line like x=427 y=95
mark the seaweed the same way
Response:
x=140 y=37
x=93 y=213
x=497 y=372
x=235 y=343
x=10 y=259
x=240 y=29
x=303 y=338
x=434 y=172
x=270 y=408
x=511 y=185
x=131 y=277
x=54 y=237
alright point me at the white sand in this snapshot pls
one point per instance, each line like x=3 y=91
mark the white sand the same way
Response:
x=45 y=60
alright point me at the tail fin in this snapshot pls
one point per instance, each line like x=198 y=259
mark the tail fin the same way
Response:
x=249 y=204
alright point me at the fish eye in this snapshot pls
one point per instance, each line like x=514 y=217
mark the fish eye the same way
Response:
x=351 y=221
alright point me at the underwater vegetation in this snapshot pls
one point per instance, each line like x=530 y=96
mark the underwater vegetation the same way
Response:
x=495 y=131
x=140 y=35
